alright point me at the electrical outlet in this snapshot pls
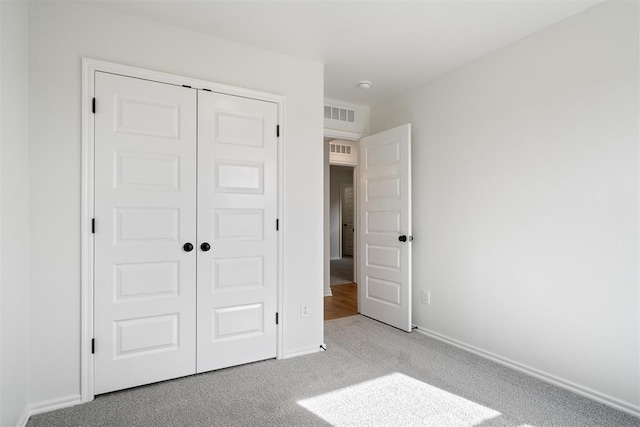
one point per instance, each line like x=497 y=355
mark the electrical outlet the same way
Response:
x=426 y=297
x=304 y=310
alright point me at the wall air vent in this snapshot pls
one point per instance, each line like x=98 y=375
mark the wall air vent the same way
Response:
x=338 y=113
x=340 y=149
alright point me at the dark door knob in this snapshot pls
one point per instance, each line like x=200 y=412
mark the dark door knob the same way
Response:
x=188 y=247
x=205 y=247
x=402 y=238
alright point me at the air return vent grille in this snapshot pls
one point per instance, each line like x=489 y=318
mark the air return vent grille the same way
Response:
x=340 y=149
x=339 y=113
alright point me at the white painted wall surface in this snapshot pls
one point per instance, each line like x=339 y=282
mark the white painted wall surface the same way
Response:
x=525 y=172
x=339 y=175
x=60 y=34
x=14 y=212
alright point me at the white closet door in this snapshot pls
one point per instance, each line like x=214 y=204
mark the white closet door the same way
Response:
x=145 y=206
x=237 y=211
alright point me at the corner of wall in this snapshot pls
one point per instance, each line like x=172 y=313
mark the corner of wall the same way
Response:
x=14 y=225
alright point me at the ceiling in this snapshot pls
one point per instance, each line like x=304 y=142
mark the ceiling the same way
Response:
x=395 y=44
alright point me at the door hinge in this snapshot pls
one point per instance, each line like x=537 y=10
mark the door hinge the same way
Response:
x=277 y=224
x=93 y=346
x=278 y=131
x=277 y=318
x=93 y=226
x=93 y=105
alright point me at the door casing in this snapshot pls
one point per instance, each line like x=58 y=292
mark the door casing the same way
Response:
x=89 y=67
x=354 y=182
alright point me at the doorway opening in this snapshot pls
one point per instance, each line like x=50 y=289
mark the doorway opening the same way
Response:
x=342 y=300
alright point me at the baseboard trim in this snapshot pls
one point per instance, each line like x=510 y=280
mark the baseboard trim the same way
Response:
x=52 y=405
x=536 y=373
x=328 y=293
x=24 y=418
x=302 y=352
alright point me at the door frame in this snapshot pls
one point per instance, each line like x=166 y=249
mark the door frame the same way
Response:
x=327 y=238
x=89 y=67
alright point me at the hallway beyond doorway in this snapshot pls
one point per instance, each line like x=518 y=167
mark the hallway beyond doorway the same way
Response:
x=342 y=271
x=343 y=303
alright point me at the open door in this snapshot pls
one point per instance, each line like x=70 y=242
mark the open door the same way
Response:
x=384 y=227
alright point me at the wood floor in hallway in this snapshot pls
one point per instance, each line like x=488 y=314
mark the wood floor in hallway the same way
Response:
x=343 y=303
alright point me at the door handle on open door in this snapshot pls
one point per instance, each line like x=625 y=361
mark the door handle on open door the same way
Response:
x=404 y=238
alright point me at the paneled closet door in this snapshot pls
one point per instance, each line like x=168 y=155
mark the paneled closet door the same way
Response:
x=145 y=207
x=237 y=238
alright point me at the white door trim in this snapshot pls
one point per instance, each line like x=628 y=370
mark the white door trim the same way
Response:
x=89 y=67
x=342 y=134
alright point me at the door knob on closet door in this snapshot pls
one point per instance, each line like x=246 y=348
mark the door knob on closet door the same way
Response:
x=188 y=247
x=205 y=247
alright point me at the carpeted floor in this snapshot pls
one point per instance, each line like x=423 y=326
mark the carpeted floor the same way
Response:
x=371 y=374
x=341 y=270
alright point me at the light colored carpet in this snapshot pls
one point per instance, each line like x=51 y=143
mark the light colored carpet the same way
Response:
x=341 y=271
x=371 y=375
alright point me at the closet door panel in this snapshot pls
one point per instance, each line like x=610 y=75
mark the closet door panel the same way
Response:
x=237 y=211
x=145 y=207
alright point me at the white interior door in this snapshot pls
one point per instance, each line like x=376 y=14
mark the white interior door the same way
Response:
x=384 y=225
x=346 y=203
x=237 y=212
x=145 y=206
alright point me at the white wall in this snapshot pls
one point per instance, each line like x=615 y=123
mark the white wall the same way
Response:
x=339 y=175
x=60 y=34
x=525 y=172
x=14 y=232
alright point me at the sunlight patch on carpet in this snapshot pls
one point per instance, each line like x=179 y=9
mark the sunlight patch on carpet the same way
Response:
x=396 y=399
